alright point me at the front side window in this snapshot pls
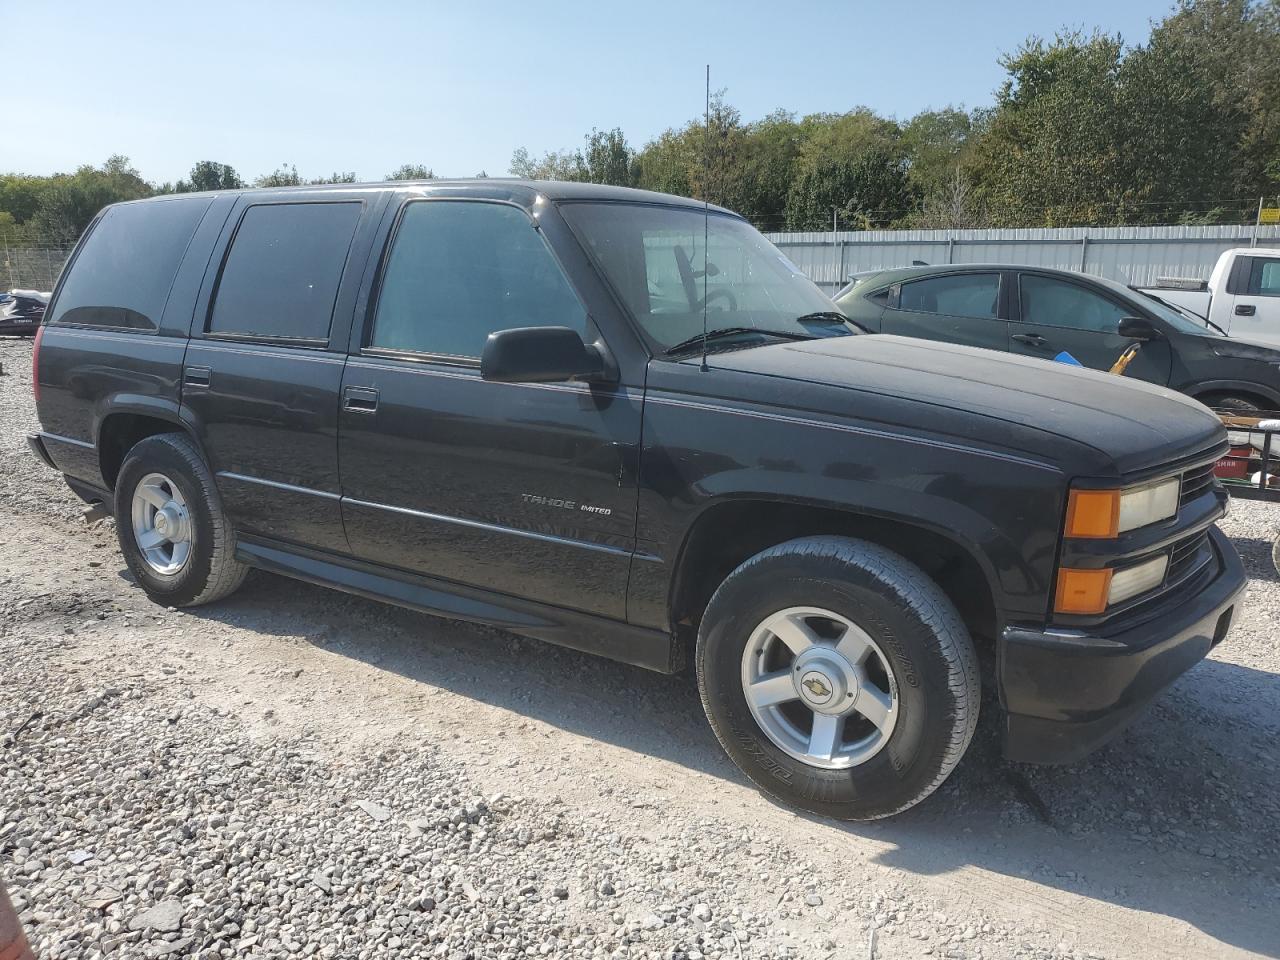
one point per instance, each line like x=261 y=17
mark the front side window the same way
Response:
x=1056 y=303
x=460 y=270
x=122 y=275
x=960 y=295
x=283 y=270
x=1264 y=278
x=669 y=263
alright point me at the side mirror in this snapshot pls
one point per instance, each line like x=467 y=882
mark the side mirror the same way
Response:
x=1136 y=328
x=539 y=355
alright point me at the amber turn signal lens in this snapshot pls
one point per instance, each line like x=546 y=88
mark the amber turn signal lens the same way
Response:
x=1094 y=514
x=1082 y=591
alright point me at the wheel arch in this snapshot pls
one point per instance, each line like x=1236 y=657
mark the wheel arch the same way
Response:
x=125 y=421
x=731 y=530
x=1267 y=397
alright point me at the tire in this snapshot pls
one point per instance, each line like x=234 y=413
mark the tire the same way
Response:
x=916 y=649
x=208 y=570
x=1231 y=404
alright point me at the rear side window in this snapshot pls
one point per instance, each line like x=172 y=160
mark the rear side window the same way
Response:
x=460 y=270
x=122 y=275
x=282 y=272
x=1264 y=278
x=961 y=295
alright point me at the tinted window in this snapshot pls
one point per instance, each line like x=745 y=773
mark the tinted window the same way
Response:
x=663 y=260
x=961 y=295
x=122 y=275
x=282 y=273
x=1056 y=303
x=461 y=270
x=1264 y=278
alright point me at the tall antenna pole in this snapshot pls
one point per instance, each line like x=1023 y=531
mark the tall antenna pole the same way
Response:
x=707 y=209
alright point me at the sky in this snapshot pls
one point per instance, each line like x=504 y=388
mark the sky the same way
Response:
x=367 y=87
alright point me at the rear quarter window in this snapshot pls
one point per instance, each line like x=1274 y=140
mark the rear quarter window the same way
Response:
x=121 y=277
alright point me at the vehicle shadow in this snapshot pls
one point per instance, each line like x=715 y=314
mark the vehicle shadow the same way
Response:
x=1178 y=817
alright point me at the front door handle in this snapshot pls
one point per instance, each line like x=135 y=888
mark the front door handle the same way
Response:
x=197 y=376
x=360 y=399
x=1031 y=339
x=1245 y=309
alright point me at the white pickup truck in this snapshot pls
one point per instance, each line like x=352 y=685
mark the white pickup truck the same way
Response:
x=1241 y=297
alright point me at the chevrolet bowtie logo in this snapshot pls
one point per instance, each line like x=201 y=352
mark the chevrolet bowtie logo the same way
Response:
x=817 y=687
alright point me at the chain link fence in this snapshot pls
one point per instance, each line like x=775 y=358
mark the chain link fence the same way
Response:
x=31 y=266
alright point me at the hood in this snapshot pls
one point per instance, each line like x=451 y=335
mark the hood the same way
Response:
x=1133 y=424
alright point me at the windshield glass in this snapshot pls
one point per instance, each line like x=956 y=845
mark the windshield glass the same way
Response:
x=654 y=258
x=1184 y=321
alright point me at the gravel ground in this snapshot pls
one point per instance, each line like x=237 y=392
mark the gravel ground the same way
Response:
x=295 y=772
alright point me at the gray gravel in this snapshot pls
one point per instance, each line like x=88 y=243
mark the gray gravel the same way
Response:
x=295 y=772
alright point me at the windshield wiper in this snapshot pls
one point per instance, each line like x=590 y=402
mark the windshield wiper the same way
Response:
x=722 y=332
x=830 y=316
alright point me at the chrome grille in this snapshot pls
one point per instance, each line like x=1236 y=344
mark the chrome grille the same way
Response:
x=1195 y=482
x=1186 y=557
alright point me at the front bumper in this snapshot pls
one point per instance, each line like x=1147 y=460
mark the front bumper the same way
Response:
x=1066 y=693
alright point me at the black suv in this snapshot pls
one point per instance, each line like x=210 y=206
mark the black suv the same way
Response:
x=494 y=401
x=1041 y=312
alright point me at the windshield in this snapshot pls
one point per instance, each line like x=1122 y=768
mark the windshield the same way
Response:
x=1177 y=318
x=664 y=270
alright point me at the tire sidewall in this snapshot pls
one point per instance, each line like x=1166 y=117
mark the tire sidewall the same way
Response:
x=160 y=455
x=909 y=763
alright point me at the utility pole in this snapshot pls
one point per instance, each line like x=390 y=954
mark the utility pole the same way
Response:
x=1257 y=222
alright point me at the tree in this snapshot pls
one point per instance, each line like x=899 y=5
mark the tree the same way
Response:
x=412 y=171
x=554 y=165
x=954 y=205
x=284 y=176
x=607 y=158
x=937 y=144
x=208 y=175
x=1054 y=151
x=870 y=188
x=69 y=202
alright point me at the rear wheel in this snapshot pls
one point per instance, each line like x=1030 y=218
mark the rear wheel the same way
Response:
x=173 y=533
x=838 y=676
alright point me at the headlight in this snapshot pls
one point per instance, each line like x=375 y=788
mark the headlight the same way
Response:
x=1092 y=591
x=1104 y=514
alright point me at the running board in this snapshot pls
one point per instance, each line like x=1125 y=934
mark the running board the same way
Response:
x=640 y=646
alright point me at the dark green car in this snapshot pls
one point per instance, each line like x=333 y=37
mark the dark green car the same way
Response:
x=1041 y=312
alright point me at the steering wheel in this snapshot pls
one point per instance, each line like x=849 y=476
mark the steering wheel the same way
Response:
x=688 y=280
x=722 y=292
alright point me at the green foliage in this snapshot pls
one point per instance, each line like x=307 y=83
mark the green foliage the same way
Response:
x=208 y=175
x=283 y=176
x=412 y=171
x=605 y=157
x=348 y=177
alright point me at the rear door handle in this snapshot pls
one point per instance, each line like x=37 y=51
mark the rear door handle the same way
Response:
x=1245 y=309
x=197 y=376
x=360 y=399
x=1031 y=339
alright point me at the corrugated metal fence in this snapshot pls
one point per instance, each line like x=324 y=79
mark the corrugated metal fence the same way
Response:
x=1128 y=254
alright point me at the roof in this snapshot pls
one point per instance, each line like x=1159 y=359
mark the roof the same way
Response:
x=521 y=191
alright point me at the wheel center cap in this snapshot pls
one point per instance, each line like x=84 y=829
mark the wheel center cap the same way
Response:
x=824 y=681
x=817 y=686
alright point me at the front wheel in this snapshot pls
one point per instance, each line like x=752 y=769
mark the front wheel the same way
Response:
x=838 y=677
x=173 y=532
